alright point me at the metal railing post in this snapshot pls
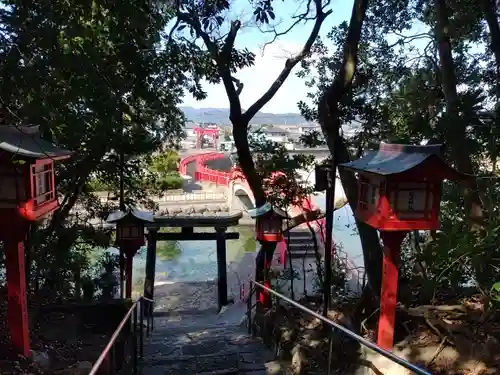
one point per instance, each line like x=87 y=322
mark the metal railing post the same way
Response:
x=151 y=315
x=278 y=337
x=249 y=308
x=148 y=329
x=389 y=355
x=134 y=337
x=112 y=360
x=330 y=350
x=141 y=335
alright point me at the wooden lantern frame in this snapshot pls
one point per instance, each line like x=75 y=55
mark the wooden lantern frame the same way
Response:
x=130 y=232
x=383 y=176
x=132 y=220
x=268 y=223
x=27 y=193
x=392 y=171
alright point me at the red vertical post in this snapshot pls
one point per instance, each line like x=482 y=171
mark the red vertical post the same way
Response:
x=388 y=296
x=16 y=291
x=265 y=297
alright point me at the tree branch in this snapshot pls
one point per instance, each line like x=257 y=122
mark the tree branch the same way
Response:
x=222 y=58
x=289 y=65
x=224 y=66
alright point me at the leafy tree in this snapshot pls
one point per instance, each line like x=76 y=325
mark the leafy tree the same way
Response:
x=205 y=21
x=99 y=80
x=444 y=90
x=164 y=171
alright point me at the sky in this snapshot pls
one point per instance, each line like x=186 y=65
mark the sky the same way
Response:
x=259 y=77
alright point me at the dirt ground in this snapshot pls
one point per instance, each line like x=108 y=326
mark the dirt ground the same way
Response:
x=58 y=342
x=459 y=339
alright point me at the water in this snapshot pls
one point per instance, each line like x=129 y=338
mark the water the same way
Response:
x=187 y=261
x=344 y=231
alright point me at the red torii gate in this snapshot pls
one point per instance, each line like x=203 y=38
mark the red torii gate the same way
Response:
x=200 y=132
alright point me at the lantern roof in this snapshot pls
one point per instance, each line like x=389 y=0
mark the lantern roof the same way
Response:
x=119 y=215
x=25 y=141
x=264 y=209
x=391 y=159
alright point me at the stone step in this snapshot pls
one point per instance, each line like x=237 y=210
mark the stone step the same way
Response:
x=295 y=245
x=302 y=255
x=227 y=350
x=201 y=342
x=301 y=234
x=300 y=240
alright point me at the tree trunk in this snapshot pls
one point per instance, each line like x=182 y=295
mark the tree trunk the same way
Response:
x=246 y=163
x=491 y=17
x=329 y=119
x=455 y=132
x=370 y=243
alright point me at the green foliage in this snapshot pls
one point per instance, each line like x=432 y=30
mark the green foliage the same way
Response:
x=397 y=96
x=495 y=292
x=170 y=182
x=165 y=163
x=280 y=171
x=93 y=76
x=163 y=171
x=168 y=250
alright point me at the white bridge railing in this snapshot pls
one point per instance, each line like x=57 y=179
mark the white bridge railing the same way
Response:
x=176 y=197
x=193 y=197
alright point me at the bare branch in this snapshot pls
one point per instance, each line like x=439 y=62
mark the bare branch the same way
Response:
x=289 y=64
x=222 y=58
x=298 y=18
x=405 y=39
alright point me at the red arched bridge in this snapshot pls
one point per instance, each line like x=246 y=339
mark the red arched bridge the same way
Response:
x=218 y=168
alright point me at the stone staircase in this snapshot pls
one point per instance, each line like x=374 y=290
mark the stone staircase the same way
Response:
x=206 y=343
x=301 y=244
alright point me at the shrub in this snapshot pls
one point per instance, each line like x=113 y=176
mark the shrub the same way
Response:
x=170 y=182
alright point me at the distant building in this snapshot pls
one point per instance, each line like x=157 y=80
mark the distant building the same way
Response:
x=227 y=146
x=276 y=135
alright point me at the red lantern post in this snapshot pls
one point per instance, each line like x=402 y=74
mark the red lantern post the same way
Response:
x=269 y=230
x=27 y=193
x=129 y=237
x=399 y=190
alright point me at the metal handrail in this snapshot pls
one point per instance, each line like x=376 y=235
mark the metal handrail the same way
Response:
x=131 y=314
x=394 y=358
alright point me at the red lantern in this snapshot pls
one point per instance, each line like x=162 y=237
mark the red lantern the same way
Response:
x=27 y=193
x=130 y=232
x=399 y=190
x=130 y=237
x=27 y=170
x=399 y=186
x=268 y=223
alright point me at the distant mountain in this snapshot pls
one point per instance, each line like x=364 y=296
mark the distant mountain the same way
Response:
x=220 y=116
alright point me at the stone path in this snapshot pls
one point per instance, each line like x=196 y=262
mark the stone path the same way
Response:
x=199 y=341
x=185 y=296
